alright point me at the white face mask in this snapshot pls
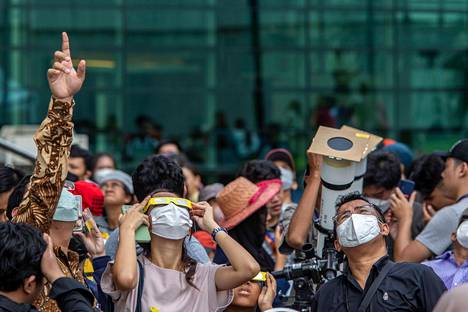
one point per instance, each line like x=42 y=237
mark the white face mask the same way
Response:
x=287 y=178
x=462 y=234
x=170 y=221
x=357 y=230
x=382 y=204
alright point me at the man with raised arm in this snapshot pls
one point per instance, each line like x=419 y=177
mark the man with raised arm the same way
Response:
x=53 y=140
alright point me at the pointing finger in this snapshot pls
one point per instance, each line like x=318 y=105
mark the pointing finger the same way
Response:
x=65 y=44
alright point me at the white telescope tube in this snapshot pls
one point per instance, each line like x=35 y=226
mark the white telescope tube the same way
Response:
x=337 y=177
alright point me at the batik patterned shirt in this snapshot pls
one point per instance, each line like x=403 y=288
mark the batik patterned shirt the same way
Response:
x=53 y=140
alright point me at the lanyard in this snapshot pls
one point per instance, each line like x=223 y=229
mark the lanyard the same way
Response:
x=462 y=198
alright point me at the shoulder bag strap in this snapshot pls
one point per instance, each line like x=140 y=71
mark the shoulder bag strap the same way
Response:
x=375 y=285
x=140 y=286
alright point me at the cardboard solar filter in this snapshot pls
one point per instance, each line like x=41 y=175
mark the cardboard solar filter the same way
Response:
x=361 y=166
x=342 y=151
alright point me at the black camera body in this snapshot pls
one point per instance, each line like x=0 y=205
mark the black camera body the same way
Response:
x=309 y=272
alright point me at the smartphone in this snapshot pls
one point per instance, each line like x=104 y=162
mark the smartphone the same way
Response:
x=142 y=234
x=406 y=187
x=79 y=223
x=87 y=217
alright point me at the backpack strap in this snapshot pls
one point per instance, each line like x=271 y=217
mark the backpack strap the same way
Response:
x=141 y=281
x=375 y=285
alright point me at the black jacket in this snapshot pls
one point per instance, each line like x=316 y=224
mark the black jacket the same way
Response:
x=70 y=295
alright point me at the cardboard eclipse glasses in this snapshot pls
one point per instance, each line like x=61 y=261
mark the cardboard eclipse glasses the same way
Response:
x=159 y=201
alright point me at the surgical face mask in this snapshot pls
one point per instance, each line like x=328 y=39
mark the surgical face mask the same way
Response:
x=357 y=230
x=382 y=204
x=462 y=234
x=287 y=178
x=170 y=221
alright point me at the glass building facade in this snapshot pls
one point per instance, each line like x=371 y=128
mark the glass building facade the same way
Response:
x=232 y=78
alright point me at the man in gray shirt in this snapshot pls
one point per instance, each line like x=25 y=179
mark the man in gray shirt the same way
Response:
x=435 y=238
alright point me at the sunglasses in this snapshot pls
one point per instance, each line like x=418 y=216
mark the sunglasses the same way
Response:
x=162 y=201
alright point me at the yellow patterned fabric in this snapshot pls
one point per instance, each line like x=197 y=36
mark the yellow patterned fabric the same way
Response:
x=53 y=140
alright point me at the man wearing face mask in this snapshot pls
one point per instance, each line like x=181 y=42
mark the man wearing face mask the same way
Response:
x=372 y=282
x=452 y=266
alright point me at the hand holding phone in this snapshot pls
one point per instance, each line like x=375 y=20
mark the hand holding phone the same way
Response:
x=406 y=187
x=142 y=234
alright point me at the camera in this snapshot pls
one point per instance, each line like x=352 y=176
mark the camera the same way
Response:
x=308 y=273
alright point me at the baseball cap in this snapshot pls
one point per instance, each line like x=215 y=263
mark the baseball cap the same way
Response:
x=459 y=151
x=92 y=196
x=210 y=192
x=281 y=154
x=120 y=176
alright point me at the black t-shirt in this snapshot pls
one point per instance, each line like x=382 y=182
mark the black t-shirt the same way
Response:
x=407 y=287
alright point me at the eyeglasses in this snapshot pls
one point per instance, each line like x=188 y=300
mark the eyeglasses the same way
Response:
x=112 y=186
x=161 y=201
x=364 y=210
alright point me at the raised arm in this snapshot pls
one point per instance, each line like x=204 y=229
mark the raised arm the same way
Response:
x=243 y=266
x=53 y=140
x=406 y=249
x=124 y=270
x=301 y=221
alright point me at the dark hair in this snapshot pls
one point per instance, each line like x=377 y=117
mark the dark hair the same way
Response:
x=260 y=170
x=184 y=162
x=166 y=142
x=352 y=197
x=17 y=195
x=21 y=250
x=99 y=156
x=157 y=173
x=190 y=166
x=9 y=177
x=250 y=234
x=427 y=173
x=383 y=170
x=78 y=152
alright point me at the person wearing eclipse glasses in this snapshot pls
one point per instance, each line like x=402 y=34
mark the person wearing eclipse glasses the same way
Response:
x=164 y=278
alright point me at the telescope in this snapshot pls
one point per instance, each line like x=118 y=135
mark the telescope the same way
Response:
x=345 y=153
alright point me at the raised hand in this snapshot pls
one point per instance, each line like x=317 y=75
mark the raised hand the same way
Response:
x=314 y=162
x=402 y=207
x=268 y=294
x=202 y=212
x=135 y=216
x=93 y=241
x=64 y=80
x=49 y=265
x=428 y=212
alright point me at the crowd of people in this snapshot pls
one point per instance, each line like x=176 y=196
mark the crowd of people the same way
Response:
x=80 y=235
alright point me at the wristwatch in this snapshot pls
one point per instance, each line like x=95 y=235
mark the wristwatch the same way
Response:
x=216 y=231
